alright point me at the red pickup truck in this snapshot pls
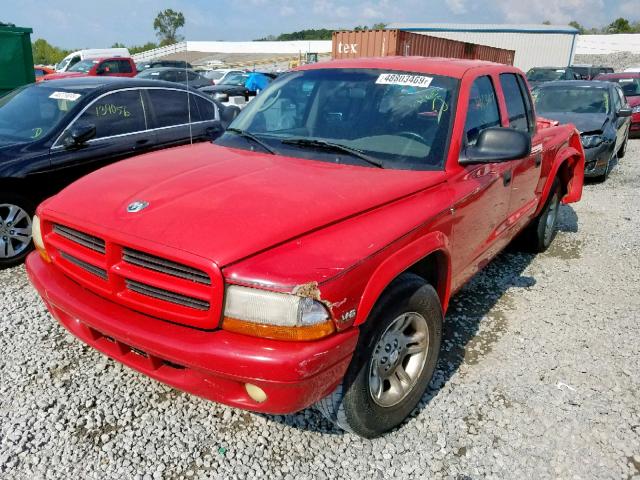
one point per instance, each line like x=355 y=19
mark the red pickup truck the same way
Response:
x=108 y=66
x=308 y=257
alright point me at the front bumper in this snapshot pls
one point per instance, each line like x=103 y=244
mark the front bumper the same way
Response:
x=214 y=365
x=596 y=159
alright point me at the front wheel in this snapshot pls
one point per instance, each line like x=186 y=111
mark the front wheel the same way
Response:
x=15 y=229
x=540 y=233
x=394 y=361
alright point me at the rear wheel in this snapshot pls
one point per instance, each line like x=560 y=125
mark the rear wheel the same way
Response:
x=394 y=361
x=540 y=233
x=16 y=213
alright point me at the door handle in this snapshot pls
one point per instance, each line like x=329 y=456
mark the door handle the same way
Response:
x=506 y=178
x=538 y=160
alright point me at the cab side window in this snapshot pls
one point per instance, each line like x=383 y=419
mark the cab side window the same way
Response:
x=482 y=112
x=116 y=114
x=617 y=102
x=516 y=108
x=108 y=67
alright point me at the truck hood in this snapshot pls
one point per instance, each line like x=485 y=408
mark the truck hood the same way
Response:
x=584 y=122
x=227 y=204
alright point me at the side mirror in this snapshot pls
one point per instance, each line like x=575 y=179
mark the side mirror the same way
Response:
x=80 y=134
x=214 y=130
x=625 y=112
x=497 y=144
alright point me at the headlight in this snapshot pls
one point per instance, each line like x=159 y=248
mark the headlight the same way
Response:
x=36 y=234
x=281 y=316
x=591 y=141
x=636 y=109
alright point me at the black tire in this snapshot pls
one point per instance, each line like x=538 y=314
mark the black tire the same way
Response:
x=6 y=259
x=536 y=238
x=352 y=406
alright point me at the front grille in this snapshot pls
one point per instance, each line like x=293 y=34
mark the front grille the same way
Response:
x=89 y=241
x=166 y=295
x=98 y=272
x=162 y=265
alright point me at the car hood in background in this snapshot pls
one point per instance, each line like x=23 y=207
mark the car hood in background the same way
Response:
x=227 y=204
x=584 y=122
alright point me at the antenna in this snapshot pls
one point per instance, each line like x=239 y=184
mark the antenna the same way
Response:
x=186 y=74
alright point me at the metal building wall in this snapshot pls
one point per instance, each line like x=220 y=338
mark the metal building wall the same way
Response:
x=532 y=49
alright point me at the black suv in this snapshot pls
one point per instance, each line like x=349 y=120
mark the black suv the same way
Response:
x=52 y=133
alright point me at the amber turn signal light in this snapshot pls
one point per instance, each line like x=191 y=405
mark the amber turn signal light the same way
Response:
x=277 y=332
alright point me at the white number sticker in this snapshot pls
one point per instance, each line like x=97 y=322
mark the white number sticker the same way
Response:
x=404 y=79
x=72 y=97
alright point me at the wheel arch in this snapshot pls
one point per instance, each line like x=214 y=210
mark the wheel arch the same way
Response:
x=427 y=257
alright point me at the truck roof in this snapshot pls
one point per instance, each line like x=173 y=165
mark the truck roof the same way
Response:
x=451 y=67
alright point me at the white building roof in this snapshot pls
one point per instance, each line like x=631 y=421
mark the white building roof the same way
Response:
x=484 y=27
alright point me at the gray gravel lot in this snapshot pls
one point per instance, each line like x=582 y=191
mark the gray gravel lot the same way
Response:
x=540 y=378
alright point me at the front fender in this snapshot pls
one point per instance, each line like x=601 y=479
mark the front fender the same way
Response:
x=400 y=261
x=568 y=166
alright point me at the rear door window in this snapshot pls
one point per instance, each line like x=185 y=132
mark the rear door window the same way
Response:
x=124 y=66
x=208 y=110
x=482 y=112
x=516 y=109
x=118 y=113
x=171 y=109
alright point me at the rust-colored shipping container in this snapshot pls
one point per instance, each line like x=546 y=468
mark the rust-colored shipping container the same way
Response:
x=383 y=43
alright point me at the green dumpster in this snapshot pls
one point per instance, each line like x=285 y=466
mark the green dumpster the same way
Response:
x=16 y=59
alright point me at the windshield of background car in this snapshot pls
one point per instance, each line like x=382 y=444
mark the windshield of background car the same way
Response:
x=213 y=75
x=31 y=112
x=630 y=86
x=235 y=79
x=545 y=74
x=402 y=119
x=571 y=99
x=83 y=66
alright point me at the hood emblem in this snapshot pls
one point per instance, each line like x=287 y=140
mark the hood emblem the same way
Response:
x=138 y=205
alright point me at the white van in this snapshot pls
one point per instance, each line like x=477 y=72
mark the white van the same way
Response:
x=75 y=57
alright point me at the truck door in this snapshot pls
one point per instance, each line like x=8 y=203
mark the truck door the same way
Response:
x=526 y=171
x=481 y=192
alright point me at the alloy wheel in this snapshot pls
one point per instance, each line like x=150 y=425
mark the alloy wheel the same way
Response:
x=398 y=359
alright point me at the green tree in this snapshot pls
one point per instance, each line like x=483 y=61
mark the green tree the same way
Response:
x=619 y=25
x=166 y=26
x=45 y=53
x=378 y=26
x=546 y=22
x=577 y=26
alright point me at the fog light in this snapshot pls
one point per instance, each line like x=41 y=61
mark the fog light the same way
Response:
x=255 y=392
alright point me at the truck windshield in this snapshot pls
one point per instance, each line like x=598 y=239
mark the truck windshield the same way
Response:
x=571 y=99
x=83 y=66
x=401 y=120
x=30 y=112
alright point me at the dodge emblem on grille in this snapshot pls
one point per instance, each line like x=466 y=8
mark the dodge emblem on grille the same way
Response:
x=137 y=206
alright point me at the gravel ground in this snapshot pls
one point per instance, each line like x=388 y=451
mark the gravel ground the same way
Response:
x=539 y=379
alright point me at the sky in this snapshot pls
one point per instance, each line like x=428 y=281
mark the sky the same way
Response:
x=92 y=24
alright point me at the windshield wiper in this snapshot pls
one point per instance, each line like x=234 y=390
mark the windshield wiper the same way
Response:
x=251 y=136
x=336 y=147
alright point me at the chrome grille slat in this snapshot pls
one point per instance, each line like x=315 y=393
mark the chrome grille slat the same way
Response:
x=166 y=295
x=157 y=264
x=94 y=243
x=97 y=271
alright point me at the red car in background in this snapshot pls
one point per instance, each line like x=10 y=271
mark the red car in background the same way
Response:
x=110 y=66
x=41 y=71
x=630 y=84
